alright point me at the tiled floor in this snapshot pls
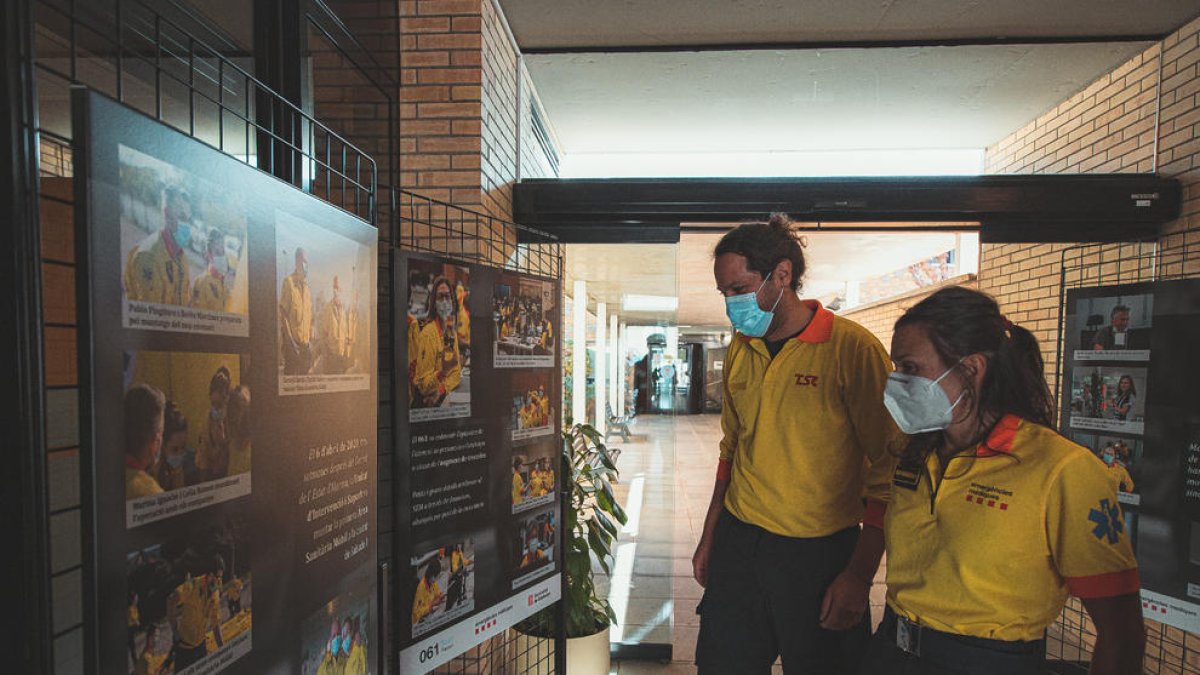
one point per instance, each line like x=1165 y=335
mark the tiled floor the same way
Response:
x=667 y=471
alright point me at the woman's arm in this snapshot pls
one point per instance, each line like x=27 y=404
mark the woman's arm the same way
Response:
x=1120 y=635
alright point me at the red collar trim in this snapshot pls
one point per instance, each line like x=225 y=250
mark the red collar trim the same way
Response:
x=173 y=248
x=1000 y=441
x=819 y=328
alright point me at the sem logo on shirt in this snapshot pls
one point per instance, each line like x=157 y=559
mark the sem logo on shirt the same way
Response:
x=803 y=380
x=989 y=495
x=1108 y=521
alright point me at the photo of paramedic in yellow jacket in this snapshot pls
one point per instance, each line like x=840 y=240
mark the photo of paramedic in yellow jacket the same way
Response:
x=183 y=240
x=438 y=326
x=182 y=609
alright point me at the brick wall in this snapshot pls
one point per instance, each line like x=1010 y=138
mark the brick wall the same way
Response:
x=501 y=114
x=441 y=108
x=879 y=317
x=1111 y=126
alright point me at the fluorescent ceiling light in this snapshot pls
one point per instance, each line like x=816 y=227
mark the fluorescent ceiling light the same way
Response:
x=649 y=303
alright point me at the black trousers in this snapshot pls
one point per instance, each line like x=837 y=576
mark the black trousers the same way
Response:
x=763 y=601
x=945 y=654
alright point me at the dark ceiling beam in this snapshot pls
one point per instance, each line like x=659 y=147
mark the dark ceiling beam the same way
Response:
x=1032 y=208
x=840 y=44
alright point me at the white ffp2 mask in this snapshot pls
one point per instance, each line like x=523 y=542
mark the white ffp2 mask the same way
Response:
x=918 y=404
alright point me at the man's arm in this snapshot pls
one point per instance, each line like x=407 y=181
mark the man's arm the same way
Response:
x=848 y=596
x=704 y=548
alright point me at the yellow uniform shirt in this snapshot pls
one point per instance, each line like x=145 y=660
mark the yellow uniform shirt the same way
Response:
x=233 y=590
x=295 y=305
x=335 y=329
x=153 y=274
x=456 y=562
x=806 y=435
x=518 y=488
x=994 y=549
x=424 y=599
x=1121 y=475
x=332 y=665
x=138 y=483
x=209 y=293
x=196 y=610
x=357 y=663
x=148 y=664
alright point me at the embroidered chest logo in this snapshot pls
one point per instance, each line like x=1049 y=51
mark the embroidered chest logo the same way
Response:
x=803 y=380
x=990 y=496
x=1108 y=521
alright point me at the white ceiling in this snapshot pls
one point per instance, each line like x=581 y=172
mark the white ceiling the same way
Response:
x=810 y=100
x=588 y=23
x=785 y=100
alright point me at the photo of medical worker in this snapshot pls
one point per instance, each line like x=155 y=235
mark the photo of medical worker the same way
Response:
x=189 y=600
x=445 y=585
x=337 y=639
x=187 y=422
x=323 y=283
x=1108 y=398
x=183 y=250
x=522 y=322
x=1121 y=455
x=439 y=341
x=534 y=478
x=535 y=538
x=532 y=409
x=1114 y=328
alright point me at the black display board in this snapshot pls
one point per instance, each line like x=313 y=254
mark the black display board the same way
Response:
x=1129 y=394
x=478 y=411
x=228 y=364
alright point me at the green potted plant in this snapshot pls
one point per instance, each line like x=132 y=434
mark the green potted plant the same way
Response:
x=591 y=521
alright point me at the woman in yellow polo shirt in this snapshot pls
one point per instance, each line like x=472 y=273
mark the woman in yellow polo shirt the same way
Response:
x=995 y=518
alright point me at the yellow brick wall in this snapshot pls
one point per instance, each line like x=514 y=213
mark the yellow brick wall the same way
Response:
x=1144 y=116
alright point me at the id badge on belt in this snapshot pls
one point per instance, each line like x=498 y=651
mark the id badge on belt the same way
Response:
x=908 y=636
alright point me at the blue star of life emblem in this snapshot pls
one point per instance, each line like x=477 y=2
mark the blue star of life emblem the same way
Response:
x=1108 y=521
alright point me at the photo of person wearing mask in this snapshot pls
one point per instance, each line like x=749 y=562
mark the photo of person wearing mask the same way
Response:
x=210 y=291
x=156 y=270
x=438 y=360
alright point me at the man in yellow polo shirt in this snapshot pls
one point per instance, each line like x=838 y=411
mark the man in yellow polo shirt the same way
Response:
x=807 y=456
x=296 y=318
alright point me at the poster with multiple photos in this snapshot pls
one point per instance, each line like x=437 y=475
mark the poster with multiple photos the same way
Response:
x=1127 y=394
x=478 y=494
x=229 y=374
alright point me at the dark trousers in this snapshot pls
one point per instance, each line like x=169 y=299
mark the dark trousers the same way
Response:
x=186 y=656
x=944 y=654
x=763 y=601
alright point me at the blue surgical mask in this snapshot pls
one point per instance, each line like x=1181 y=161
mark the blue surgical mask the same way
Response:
x=745 y=314
x=346 y=644
x=183 y=234
x=175 y=461
x=918 y=404
x=334 y=644
x=1108 y=458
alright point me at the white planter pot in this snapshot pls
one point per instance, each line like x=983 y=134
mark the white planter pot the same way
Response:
x=589 y=655
x=585 y=656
